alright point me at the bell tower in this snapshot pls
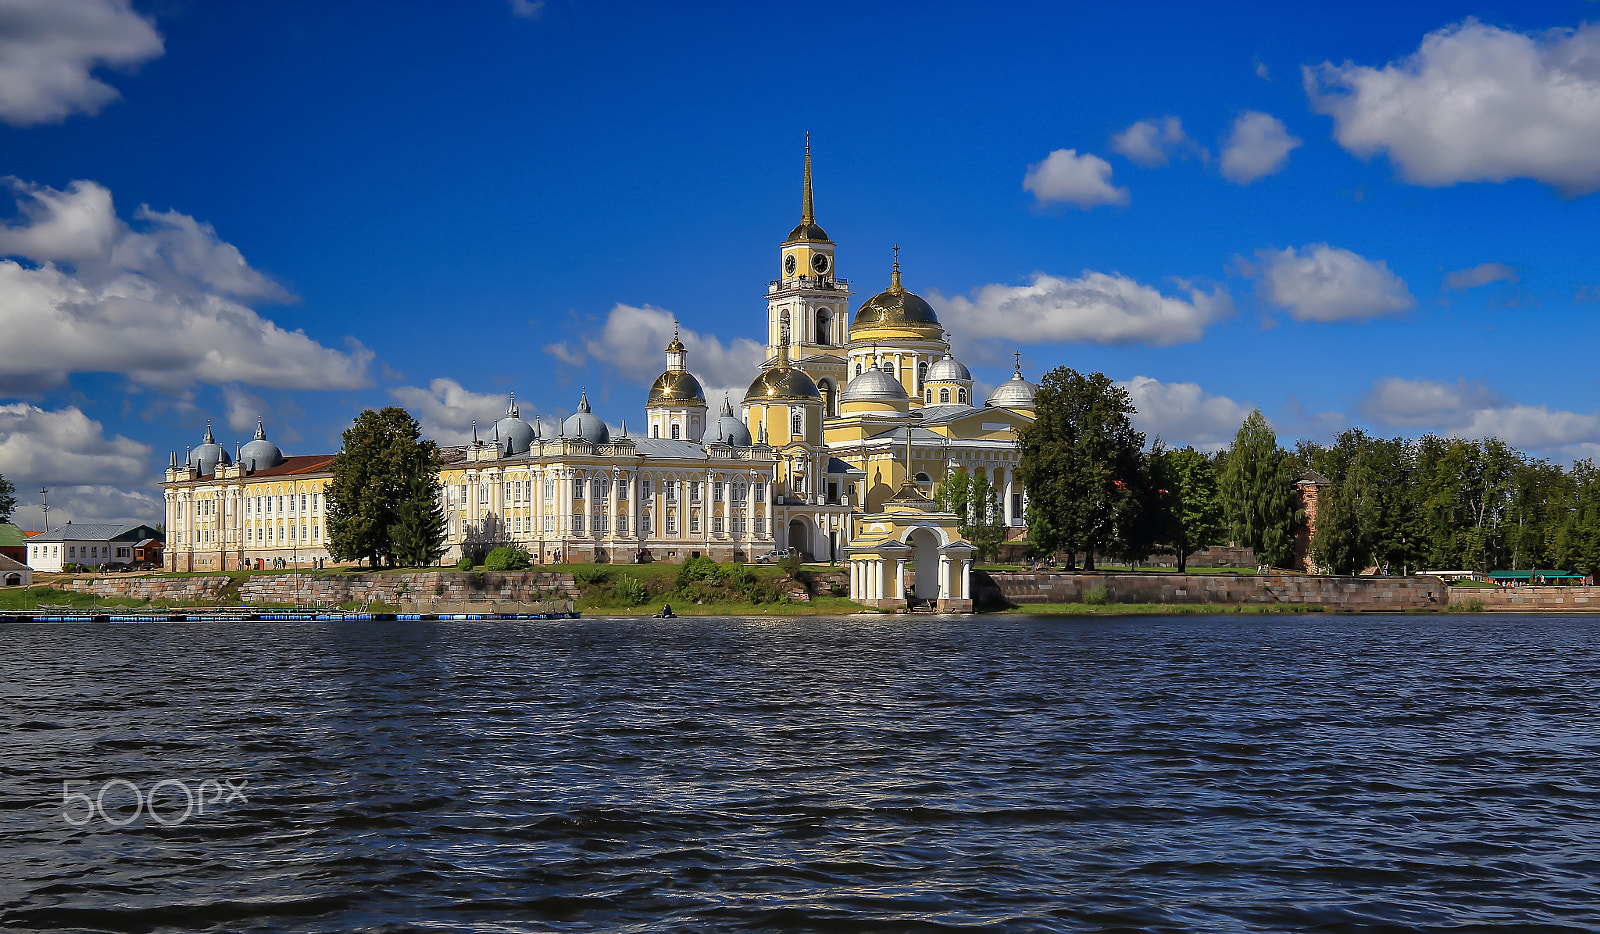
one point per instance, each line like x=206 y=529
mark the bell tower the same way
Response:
x=807 y=301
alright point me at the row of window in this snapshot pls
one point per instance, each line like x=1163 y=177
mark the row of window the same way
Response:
x=257 y=505
x=81 y=552
x=599 y=488
x=944 y=395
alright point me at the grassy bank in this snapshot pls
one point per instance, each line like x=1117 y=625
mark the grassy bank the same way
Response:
x=33 y=598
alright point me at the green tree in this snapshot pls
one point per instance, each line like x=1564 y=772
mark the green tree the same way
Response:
x=8 y=499
x=1195 y=505
x=383 y=467
x=1080 y=460
x=974 y=498
x=419 y=529
x=1257 y=488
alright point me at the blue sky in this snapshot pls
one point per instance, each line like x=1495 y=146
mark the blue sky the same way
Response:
x=1344 y=214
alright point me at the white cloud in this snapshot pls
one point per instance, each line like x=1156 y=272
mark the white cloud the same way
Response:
x=48 y=49
x=84 y=470
x=1324 y=283
x=1261 y=70
x=1184 y=414
x=1068 y=178
x=1475 y=103
x=527 y=9
x=1422 y=403
x=1258 y=146
x=243 y=408
x=634 y=339
x=1149 y=142
x=445 y=410
x=1470 y=409
x=1094 y=308
x=1482 y=274
x=163 y=302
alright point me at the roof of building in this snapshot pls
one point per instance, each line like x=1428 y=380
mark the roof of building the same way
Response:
x=11 y=564
x=948 y=369
x=95 y=532
x=837 y=466
x=1313 y=478
x=667 y=447
x=873 y=385
x=895 y=307
x=299 y=464
x=10 y=535
x=676 y=388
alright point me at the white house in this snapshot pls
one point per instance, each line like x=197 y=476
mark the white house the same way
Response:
x=14 y=573
x=91 y=544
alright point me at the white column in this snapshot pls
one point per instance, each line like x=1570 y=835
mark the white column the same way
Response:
x=966 y=579
x=1006 y=498
x=900 y=579
x=944 y=577
x=633 y=505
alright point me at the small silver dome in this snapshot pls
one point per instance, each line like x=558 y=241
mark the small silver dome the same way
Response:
x=1014 y=393
x=260 y=454
x=729 y=428
x=585 y=424
x=515 y=434
x=947 y=370
x=874 y=385
x=209 y=454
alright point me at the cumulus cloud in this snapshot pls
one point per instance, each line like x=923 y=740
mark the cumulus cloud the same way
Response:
x=1094 y=308
x=69 y=453
x=1324 y=283
x=1258 y=146
x=445 y=410
x=1479 y=275
x=1475 y=103
x=163 y=301
x=1184 y=414
x=1422 y=403
x=633 y=340
x=1065 y=177
x=1149 y=142
x=1470 y=409
x=49 y=50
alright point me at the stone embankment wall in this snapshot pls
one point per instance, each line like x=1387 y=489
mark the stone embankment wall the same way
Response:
x=1530 y=599
x=1344 y=594
x=416 y=588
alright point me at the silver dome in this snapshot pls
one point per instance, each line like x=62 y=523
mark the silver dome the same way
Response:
x=260 y=454
x=874 y=385
x=947 y=370
x=515 y=435
x=209 y=454
x=585 y=424
x=1014 y=393
x=729 y=428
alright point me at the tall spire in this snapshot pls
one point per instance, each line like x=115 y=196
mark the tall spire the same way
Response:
x=894 y=276
x=807 y=214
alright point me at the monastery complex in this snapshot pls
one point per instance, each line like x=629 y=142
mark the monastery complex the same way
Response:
x=836 y=450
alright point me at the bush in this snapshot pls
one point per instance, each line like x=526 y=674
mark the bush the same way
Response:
x=789 y=564
x=591 y=577
x=1095 y=596
x=698 y=569
x=628 y=591
x=738 y=575
x=506 y=559
x=465 y=564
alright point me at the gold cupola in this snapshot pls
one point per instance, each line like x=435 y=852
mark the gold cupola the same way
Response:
x=896 y=308
x=676 y=406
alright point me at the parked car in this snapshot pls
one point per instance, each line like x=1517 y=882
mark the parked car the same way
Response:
x=118 y=567
x=775 y=555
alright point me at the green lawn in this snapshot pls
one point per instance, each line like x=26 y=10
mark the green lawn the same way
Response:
x=30 y=598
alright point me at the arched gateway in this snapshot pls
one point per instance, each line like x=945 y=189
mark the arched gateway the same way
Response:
x=909 y=535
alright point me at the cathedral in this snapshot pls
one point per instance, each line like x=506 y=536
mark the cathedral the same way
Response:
x=836 y=451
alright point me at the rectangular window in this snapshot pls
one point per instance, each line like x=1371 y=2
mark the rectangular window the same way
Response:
x=549 y=523
x=671 y=487
x=694 y=522
x=622 y=523
x=646 y=524
x=739 y=525
x=577 y=522
x=316 y=501
x=716 y=524
x=549 y=489
x=645 y=488
x=761 y=525
x=1016 y=505
x=672 y=524
x=316 y=533
x=602 y=488
x=302 y=502
x=760 y=491
x=694 y=491
x=716 y=493
x=577 y=489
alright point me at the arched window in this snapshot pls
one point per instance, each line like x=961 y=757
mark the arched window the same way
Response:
x=674 y=432
x=824 y=331
x=858 y=369
x=944 y=395
x=929 y=394
x=961 y=396
x=922 y=372
x=797 y=422
x=923 y=478
x=655 y=431
x=829 y=403
x=783 y=326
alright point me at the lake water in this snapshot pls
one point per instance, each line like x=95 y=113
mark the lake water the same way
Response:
x=863 y=774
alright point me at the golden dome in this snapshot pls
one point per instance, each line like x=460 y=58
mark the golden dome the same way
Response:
x=782 y=383
x=895 y=308
x=676 y=388
x=676 y=346
x=808 y=232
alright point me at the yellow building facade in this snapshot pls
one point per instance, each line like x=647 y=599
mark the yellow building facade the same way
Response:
x=841 y=440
